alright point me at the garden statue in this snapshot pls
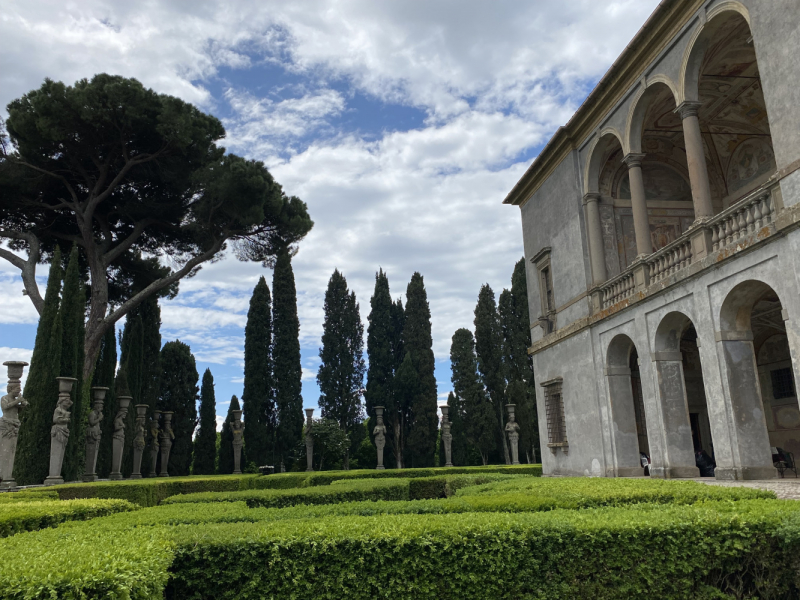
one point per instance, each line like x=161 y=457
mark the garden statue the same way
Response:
x=380 y=435
x=11 y=404
x=512 y=429
x=154 y=445
x=59 y=432
x=166 y=442
x=138 y=441
x=237 y=428
x=93 y=433
x=447 y=437
x=118 y=441
x=309 y=441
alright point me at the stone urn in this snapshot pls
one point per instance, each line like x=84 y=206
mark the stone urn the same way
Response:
x=309 y=441
x=512 y=429
x=138 y=441
x=118 y=441
x=155 y=447
x=447 y=437
x=12 y=404
x=59 y=432
x=380 y=436
x=166 y=438
x=94 y=433
x=237 y=428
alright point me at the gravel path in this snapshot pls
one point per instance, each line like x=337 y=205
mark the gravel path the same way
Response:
x=785 y=489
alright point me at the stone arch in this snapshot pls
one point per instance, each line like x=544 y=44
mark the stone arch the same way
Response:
x=736 y=311
x=639 y=106
x=670 y=331
x=606 y=139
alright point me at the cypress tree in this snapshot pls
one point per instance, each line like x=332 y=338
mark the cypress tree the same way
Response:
x=287 y=372
x=225 y=460
x=406 y=386
x=459 y=445
x=41 y=388
x=131 y=351
x=489 y=348
x=205 y=444
x=179 y=394
x=479 y=421
x=257 y=398
x=341 y=371
x=150 y=313
x=399 y=411
x=418 y=344
x=104 y=376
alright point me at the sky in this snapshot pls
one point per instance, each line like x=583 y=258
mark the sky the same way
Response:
x=402 y=125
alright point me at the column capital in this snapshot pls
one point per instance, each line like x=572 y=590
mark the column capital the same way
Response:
x=633 y=160
x=591 y=197
x=688 y=108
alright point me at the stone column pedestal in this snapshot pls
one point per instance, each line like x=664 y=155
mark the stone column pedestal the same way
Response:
x=166 y=442
x=309 y=441
x=512 y=428
x=155 y=446
x=94 y=433
x=380 y=436
x=12 y=404
x=59 y=432
x=138 y=441
x=237 y=427
x=447 y=437
x=118 y=443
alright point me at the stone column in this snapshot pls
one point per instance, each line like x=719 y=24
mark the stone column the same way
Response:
x=59 y=432
x=595 y=233
x=166 y=438
x=380 y=435
x=237 y=427
x=138 y=441
x=696 y=159
x=94 y=433
x=641 y=222
x=447 y=437
x=154 y=445
x=512 y=429
x=623 y=421
x=309 y=441
x=12 y=404
x=118 y=441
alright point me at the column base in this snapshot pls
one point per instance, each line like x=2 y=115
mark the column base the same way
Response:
x=7 y=484
x=163 y=474
x=745 y=473
x=234 y=473
x=135 y=476
x=90 y=477
x=115 y=476
x=54 y=481
x=380 y=468
x=630 y=472
x=451 y=464
x=674 y=472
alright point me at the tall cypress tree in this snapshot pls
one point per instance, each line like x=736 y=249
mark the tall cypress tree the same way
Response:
x=205 y=443
x=341 y=370
x=489 y=348
x=459 y=444
x=41 y=388
x=104 y=377
x=257 y=397
x=399 y=411
x=131 y=352
x=179 y=394
x=479 y=421
x=287 y=372
x=225 y=461
x=418 y=344
x=150 y=313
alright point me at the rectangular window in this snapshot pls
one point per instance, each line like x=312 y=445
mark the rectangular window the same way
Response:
x=554 y=407
x=782 y=383
x=547 y=319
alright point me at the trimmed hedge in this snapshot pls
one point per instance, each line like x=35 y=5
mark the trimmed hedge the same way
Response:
x=30 y=516
x=27 y=496
x=326 y=477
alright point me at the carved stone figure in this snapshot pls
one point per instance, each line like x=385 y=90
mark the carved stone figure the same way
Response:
x=59 y=432
x=154 y=445
x=447 y=437
x=380 y=435
x=166 y=442
x=309 y=441
x=237 y=428
x=94 y=432
x=118 y=441
x=512 y=429
x=138 y=441
x=12 y=403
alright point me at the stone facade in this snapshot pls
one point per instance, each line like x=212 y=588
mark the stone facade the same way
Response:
x=661 y=231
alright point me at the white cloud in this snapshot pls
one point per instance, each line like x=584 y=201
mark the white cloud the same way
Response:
x=7 y=354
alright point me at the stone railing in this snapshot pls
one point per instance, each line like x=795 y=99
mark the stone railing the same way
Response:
x=617 y=289
x=747 y=216
x=670 y=259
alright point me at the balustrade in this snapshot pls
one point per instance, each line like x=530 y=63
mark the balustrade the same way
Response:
x=743 y=218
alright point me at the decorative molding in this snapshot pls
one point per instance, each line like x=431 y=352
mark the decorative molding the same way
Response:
x=543 y=253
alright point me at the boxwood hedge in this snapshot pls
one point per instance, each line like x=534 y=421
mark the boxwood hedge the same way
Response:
x=30 y=516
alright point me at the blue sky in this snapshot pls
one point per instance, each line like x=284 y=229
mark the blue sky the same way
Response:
x=401 y=124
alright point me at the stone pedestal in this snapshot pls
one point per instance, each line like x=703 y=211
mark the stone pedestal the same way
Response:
x=512 y=429
x=155 y=446
x=237 y=427
x=309 y=441
x=138 y=441
x=166 y=438
x=12 y=404
x=447 y=437
x=118 y=442
x=59 y=432
x=94 y=433
x=380 y=436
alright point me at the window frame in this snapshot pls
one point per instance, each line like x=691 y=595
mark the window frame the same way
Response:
x=555 y=414
x=547 y=300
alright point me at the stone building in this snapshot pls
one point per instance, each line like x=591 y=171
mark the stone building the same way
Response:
x=661 y=234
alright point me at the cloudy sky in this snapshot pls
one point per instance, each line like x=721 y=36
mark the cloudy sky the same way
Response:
x=402 y=124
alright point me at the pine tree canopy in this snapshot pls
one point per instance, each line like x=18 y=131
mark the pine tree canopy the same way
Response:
x=179 y=394
x=126 y=182
x=205 y=443
x=258 y=401
x=225 y=462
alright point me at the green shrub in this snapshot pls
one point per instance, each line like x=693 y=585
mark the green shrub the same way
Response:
x=27 y=496
x=326 y=477
x=31 y=516
x=168 y=515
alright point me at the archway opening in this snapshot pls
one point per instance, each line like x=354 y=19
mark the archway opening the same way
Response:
x=638 y=403
x=696 y=403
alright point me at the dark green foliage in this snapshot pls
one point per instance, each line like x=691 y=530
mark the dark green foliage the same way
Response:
x=406 y=385
x=32 y=462
x=341 y=371
x=179 y=394
x=478 y=416
x=150 y=313
x=398 y=413
x=257 y=398
x=459 y=446
x=225 y=460
x=104 y=377
x=418 y=344
x=287 y=372
x=131 y=356
x=205 y=443
x=365 y=456
x=30 y=516
x=330 y=445
x=489 y=349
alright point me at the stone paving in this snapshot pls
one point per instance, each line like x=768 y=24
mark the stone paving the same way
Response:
x=785 y=489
